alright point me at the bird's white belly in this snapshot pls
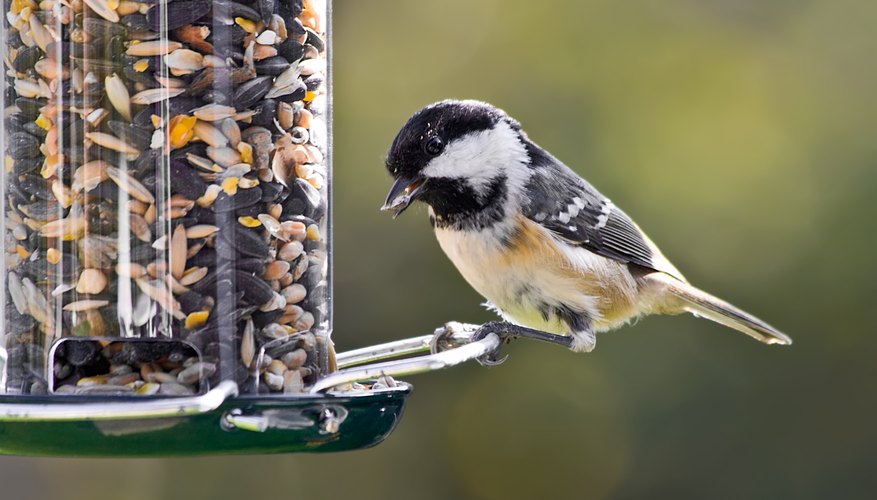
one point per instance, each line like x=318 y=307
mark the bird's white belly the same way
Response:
x=523 y=278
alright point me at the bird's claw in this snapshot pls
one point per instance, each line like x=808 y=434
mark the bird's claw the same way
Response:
x=499 y=329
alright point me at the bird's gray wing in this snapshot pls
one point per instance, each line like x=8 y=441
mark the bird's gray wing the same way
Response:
x=570 y=207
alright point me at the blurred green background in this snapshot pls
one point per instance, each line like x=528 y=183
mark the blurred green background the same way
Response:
x=739 y=133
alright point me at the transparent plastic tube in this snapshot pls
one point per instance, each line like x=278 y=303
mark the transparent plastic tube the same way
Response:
x=165 y=196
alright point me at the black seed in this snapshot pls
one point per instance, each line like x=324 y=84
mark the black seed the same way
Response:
x=179 y=14
x=250 y=211
x=35 y=130
x=251 y=92
x=256 y=291
x=260 y=319
x=98 y=28
x=185 y=180
x=143 y=118
x=315 y=40
x=195 y=148
x=41 y=211
x=142 y=254
x=191 y=301
x=307 y=221
x=36 y=186
x=187 y=221
x=30 y=108
x=216 y=96
x=139 y=137
x=225 y=248
x=278 y=348
x=296 y=95
x=205 y=258
x=272 y=66
x=181 y=105
x=15 y=122
x=303 y=199
x=135 y=22
x=79 y=51
x=317 y=295
x=290 y=50
x=267 y=8
x=271 y=191
x=24 y=145
x=245 y=241
x=243 y=198
x=200 y=338
x=145 y=78
x=266 y=113
x=25 y=165
x=226 y=11
x=312 y=277
x=295 y=28
x=80 y=353
x=203 y=215
x=314 y=81
x=26 y=59
x=251 y=264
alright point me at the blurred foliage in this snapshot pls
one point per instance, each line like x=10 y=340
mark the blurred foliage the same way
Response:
x=739 y=133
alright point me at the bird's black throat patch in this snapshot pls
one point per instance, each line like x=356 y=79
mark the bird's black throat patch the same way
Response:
x=457 y=205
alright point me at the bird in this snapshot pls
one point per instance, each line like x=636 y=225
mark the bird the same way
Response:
x=555 y=258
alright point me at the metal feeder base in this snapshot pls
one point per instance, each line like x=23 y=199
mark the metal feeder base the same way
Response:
x=318 y=423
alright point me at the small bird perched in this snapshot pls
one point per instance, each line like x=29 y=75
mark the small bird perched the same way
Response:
x=549 y=252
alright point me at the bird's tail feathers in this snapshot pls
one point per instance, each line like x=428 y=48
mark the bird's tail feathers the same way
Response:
x=702 y=304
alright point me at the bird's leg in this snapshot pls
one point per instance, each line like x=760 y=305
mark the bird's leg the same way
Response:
x=506 y=331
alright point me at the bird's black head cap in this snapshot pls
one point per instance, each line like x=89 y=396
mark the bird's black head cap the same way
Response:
x=428 y=131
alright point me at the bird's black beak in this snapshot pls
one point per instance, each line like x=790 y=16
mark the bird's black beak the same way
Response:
x=404 y=191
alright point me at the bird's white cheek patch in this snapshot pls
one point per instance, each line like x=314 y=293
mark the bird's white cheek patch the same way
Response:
x=481 y=157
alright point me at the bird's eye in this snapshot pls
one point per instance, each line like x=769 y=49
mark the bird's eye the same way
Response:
x=434 y=146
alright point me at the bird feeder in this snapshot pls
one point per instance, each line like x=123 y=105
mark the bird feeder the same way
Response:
x=166 y=219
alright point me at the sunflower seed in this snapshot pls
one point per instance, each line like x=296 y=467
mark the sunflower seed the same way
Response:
x=91 y=281
x=130 y=185
x=178 y=252
x=153 y=48
x=210 y=134
x=102 y=8
x=224 y=156
x=140 y=228
x=184 y=61
x=16 y=291
x=201 y=231
x=152 y=96
x=159 y=292
x=89 y=175
x=214 y=112
x=112 y=142
x=85 y=305
x=193 y=275
x=68 y=229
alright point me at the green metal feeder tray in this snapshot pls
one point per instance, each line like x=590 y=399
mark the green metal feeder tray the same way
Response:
x=339 y=413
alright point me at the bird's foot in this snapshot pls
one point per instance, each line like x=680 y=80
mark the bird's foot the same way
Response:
x=501 y=330
x=442 y=339
x=507 y=331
